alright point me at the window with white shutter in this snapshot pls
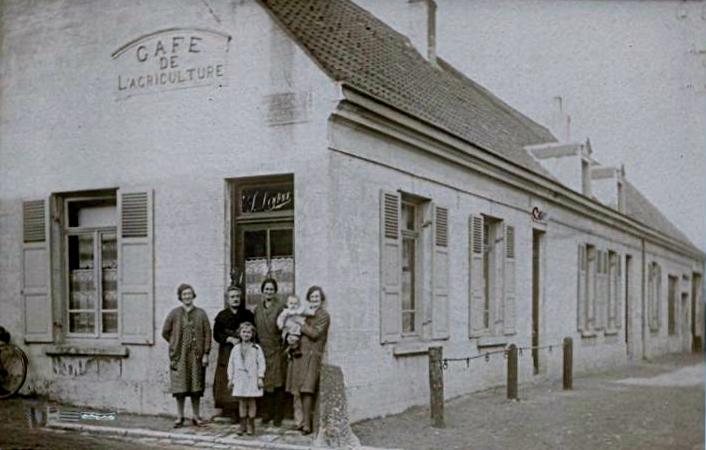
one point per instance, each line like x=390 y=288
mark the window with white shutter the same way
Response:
x=440 y=279
x=135 y=242
x=582 y=295
x=390 y=268
x=476 y=249
x=36 y=272
x=509 y=281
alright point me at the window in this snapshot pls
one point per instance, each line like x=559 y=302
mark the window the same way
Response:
x=492 y=276
x=92 y=266
x=654 y=291
x=588 y=288
x=615 y=291
x=410 y=243
x=101 y=245
x=598 y=290
x=672 y=304
x=413 y=254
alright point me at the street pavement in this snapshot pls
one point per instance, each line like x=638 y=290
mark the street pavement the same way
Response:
x=645 y=406
x=648 y=405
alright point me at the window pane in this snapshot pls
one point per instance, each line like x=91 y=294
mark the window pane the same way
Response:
x=408 y=217
x=81 y=322
x=92 y=213
x=109 y=271
x=255 y=243
x=408 y=274
x=408 y=322
x=281 y=243
x=82 y=286
x=110 y=322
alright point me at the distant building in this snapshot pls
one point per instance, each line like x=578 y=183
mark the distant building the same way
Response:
x=144 y=146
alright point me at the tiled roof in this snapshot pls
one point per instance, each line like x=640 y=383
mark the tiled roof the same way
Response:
x=638 y=207
x=355 y=47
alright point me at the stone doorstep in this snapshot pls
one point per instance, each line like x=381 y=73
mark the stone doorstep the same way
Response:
x=141 y=432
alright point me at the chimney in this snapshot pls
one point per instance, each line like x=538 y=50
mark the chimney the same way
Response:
x=561 y=122
x=415 y=19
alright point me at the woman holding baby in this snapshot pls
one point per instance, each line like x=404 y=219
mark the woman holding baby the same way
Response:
x=303 y=371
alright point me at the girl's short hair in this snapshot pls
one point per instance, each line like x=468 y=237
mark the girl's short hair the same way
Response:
x=294 y=297
x=246 y=325
x=269 y=280
x=182 y=287
x=314 y=289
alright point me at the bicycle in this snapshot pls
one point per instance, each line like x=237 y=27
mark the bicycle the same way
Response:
x=13 y=366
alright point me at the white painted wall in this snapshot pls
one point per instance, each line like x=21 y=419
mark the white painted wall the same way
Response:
x=63 y=130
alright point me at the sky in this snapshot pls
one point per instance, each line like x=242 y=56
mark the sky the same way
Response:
x=632 y=75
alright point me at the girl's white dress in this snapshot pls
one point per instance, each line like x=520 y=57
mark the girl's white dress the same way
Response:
x=244 y=368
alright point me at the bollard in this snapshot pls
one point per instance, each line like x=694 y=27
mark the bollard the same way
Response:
x=436 y=386
x=512 y=372
x=568 y=363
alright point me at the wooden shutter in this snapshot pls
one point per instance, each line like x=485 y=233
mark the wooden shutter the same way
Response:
x=658 y=296
x=581 y=289
x=651 y=315
x=36 y=272
x=509 y=280
x=440 y=267
x=601 y=290
x=390 y=268
x=618 y=291
x=476 y=250
x=136 y=265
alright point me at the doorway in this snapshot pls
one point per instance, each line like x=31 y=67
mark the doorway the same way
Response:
x=263 y=235
x=684 y=323
x=537 y=262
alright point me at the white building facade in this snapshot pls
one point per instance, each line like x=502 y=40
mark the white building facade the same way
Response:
x=145 y=146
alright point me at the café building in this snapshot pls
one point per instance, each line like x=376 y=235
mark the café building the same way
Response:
x=146 y=145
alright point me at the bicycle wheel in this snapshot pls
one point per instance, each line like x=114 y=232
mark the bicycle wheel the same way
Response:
x=13 y=370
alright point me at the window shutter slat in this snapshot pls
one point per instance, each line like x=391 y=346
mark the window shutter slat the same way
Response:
x=136 y=265
x=509 y=281
x=36 y=272
x=476 y=279
x=390 y=268
x=440 y=271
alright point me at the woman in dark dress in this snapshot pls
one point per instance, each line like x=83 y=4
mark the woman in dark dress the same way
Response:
x=224 y=332
x=303 y=372
x=270 y=336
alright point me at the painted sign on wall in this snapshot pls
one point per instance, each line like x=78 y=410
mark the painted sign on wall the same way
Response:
x=176 y=58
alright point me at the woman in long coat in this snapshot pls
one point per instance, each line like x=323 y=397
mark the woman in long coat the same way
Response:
x=225 y=329
x=266 y=314
x=188 y=332
x=303 y=372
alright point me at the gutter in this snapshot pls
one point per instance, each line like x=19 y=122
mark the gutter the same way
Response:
x=409 y=129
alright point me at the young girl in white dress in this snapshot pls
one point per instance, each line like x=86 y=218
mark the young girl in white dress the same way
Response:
x=246 y=373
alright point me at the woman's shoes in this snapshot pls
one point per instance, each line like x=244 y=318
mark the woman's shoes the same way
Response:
x=305 y=431
x=198 y=422
x=242 y=426
x=179 y=423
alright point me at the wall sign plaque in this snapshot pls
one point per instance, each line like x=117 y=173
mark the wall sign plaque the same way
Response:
x=176 y=58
